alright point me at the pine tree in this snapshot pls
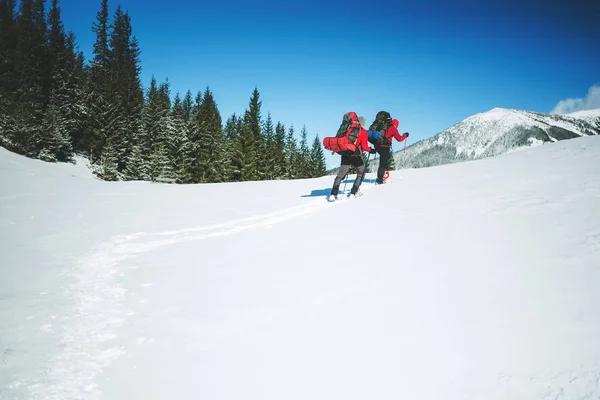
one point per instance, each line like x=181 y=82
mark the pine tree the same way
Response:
x=303 y=161
x=317 y=156
x=9 y=81
x=8 y=54
x=232 y=139
x=187 y=106
x=97 y=97
x=56 y=144
x=254 y=122
x=269 y=149
x=279 y=148
x=75 y=91
x=62 y=117
x=291 y=155
x=108 y=163
x=30 y=61
x=179 y=139
x=244 y=150
x=124 y=87
x=212 y=139
x=156 y=117
x=101 y=54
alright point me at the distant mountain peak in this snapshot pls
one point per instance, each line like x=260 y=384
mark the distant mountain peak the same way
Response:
x=498 y=131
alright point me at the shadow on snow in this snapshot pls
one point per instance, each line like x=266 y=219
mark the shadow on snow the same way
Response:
x=325 y=192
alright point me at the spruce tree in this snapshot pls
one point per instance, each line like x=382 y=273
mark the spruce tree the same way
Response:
x=291 y=155
x=303 y=162
x=108 y=163
x=269 y=149
x=187 y=106
x=9 y=81
x=97 y=97
x=317 y=156
x=244 y=149
x=124 y=87
x=279 y=147
x=76 y=93
x=254 y=122
x=212 y=139
x=149 y=139
x=30 y=67
x=62 y=116
x=179 y=139
x=234 y=170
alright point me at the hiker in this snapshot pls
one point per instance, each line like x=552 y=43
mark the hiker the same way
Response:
x=383 y=142
x=355 y=159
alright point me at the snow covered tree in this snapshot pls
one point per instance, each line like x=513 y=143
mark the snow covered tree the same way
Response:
x=269 y=149
x=212 y=138
x=233 y=170
x=244 y=151
x=317 y=157
x=9 y=81
x=304 y=162
x=279 y=147
x=124 y=83
x=97 y=99
x=254 y=122
x=291 y=155
x=108 y=163
x=30 y=100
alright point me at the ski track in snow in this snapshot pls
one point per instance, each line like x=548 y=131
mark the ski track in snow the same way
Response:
x=100 y=311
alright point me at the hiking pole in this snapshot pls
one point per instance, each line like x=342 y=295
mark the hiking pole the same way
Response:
x=366 y=166
x=345 y=181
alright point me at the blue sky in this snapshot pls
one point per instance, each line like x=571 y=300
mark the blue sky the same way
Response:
x=429 y=63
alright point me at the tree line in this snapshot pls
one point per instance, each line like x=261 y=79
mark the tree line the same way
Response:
x=55 y=104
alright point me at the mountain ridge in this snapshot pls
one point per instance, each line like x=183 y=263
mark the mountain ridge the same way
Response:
x=494 y=132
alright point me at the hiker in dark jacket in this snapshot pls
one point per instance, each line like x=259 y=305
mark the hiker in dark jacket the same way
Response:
x=385 y=149
x=356 y=160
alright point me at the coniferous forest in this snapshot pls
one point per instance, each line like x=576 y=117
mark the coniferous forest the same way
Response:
x=54 y=104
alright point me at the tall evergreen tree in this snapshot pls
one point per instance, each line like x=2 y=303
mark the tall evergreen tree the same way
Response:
x=30 y=66
x=124 y=87
x=244 y=150
x=75 y=92
x=8 y=56
x=291 y=154
x=97 y=99
x=269 y=149
x=317 y=157
x=178 y=139
x=279 y=149
x=9 y=81
x=62 y=118
x=232 y=146
x=254 y=122
x=101 y=54
x=187 y=106
x=213 y=139
x=303 y=162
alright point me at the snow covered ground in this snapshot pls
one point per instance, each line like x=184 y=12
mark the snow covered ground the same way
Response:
x=477 y=280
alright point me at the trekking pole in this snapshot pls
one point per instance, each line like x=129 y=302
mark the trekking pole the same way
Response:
x=366 y=166
x=345 y=181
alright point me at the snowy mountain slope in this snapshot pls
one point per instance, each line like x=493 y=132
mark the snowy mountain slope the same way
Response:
x=590 y=115
x=486 y=284
x=496 y=132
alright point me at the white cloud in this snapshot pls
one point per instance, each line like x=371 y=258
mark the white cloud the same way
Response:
x=590 y=102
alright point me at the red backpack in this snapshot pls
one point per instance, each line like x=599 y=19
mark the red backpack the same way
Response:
x=344 y=142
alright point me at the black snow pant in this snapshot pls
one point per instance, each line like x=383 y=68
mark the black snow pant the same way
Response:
x=347 y=161
x=385 y=153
